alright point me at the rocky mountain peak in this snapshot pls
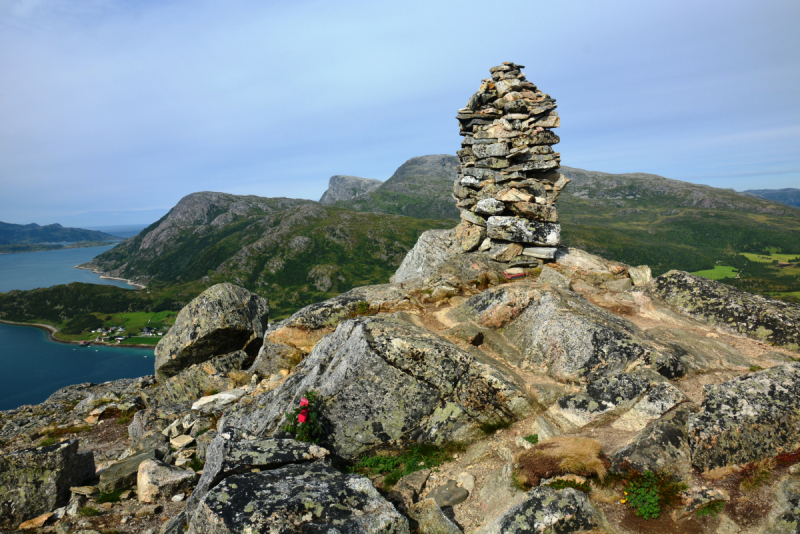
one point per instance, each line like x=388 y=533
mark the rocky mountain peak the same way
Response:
x=342 y=187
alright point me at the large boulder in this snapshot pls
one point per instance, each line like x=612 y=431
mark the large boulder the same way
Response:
x=37 y=481
x=226 y=457
x=770 y=320
x=633 y=399
x=296 y=498
x=544 y=509
x=382 y=380
x=749 y=418
x=222 y=319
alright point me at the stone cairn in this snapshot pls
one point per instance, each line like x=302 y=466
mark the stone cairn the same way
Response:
x=508 y=181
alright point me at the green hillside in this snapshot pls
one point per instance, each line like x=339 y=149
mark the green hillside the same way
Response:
x=294 y=252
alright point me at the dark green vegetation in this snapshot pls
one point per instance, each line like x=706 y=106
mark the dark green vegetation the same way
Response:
x=77 y=308
x=31 y=234
x=420 y=188
x=407 y=461
x=532 y=438
x=295 y=252
x=790 y=195
x=17 y=248
x=648 y=493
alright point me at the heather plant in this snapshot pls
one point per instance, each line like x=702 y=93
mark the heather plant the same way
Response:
x=304 y=421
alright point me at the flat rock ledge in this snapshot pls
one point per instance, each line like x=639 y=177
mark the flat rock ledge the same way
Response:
x=297 y=498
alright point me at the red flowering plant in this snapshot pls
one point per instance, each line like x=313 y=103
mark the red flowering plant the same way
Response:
x=304 y=421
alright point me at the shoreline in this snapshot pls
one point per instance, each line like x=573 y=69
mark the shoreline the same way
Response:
x=52 y=330
x=104 y=276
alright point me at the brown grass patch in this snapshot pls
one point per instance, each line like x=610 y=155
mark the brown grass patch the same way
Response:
x=240 y=378
x=718 y=473
x=560 y=456
x=756 y=474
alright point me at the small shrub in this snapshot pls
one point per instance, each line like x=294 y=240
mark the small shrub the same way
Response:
x=491 y=428
x=124 y=420
x=46 y=442
x=533 y=438
x=712 y=508
x=563 y=484
x=756 y=474
x=109 y=497
x=754 y=368
x=197 y=465
x=785 y=459
x=304 y=421
x=201 y=432
x=209 y=392
x=88 y=511
x=648 y=493
x=361 y=308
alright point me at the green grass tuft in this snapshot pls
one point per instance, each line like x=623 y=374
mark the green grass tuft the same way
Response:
x=409 y=460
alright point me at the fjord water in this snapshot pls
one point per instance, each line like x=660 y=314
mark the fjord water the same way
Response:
x=30 y=270
x=32 y=367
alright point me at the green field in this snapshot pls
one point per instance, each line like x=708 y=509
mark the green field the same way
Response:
x=718 y=272
x=142 y=340
x=762 y=258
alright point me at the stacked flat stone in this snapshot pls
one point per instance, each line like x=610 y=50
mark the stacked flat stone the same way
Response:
x=508 y=181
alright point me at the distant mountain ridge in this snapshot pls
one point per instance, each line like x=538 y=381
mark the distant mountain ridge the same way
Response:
x=421 y=188
x=29 y=234
x=789 y=195
x=637 y=218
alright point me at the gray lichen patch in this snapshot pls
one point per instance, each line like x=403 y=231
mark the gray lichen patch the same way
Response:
x=296 y=498
x=749 y=418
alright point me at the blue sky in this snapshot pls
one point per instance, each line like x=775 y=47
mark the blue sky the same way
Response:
x=111 y=111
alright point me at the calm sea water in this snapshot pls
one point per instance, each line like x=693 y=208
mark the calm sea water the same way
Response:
x=30 y=270
x=32 y=367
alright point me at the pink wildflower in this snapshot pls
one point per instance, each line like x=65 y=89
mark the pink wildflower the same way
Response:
x=303 y=402
x=302 y=416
